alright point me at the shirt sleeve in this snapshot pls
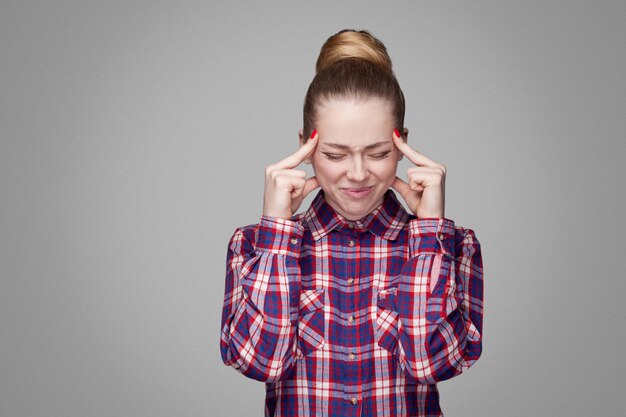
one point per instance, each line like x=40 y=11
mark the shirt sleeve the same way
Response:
x=261 y=297
x=438 y=301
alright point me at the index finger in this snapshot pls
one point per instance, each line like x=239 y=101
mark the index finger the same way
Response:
x=300 y=155
x=413 y=155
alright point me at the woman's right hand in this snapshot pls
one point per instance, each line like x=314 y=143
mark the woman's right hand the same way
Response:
x=286 y=187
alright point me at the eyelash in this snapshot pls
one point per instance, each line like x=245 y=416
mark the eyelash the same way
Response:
x=333 y=157
x=379 y=156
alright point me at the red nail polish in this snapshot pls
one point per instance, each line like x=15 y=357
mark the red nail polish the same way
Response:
x=397 y=132
x=313 y=133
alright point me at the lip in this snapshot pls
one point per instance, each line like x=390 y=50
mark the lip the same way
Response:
x=357 y=193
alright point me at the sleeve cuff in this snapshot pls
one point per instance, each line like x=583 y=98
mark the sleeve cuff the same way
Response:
x=279 y=236
x=431 y=235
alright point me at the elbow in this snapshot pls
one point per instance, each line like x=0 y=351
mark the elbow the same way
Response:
x=257 y=353
x=251 y=364
x=268 y=375
x=447 y=364
x=429 y=374
x=263 y=372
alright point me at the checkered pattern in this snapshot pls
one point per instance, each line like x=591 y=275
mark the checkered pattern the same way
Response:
x=352 y=318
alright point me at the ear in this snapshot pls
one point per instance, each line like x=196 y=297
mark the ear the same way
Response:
x=301 y=141
x=405 y=138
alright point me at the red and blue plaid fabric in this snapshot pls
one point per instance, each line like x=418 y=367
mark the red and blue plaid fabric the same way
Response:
x=352 y=318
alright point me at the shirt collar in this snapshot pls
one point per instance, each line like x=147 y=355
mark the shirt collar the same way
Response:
x=386 y=221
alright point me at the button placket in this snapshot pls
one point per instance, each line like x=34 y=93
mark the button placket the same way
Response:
x=351 y=329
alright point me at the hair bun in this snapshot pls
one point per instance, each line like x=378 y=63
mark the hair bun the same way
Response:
x=350 y=43
x=353 y=65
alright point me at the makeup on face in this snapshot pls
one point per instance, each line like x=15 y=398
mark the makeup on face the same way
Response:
x=355 y=159
x=376 y=151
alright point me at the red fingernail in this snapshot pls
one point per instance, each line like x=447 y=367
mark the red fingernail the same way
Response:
x=313 y=133
x=397 y=132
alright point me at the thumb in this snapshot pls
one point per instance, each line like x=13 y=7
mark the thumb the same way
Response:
x=411 y=197
x=309 y=185
x=401 y=187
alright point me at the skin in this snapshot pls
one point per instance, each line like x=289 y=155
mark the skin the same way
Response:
x=355 y=154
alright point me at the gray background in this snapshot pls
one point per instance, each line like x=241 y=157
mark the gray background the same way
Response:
x=133 y=140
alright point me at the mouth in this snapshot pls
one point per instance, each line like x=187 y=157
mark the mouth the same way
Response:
x=357 y=193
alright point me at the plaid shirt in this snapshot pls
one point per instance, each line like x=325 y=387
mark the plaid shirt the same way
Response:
x=352 y=318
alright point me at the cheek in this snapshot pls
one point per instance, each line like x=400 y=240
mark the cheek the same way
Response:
x=386 y=168
x=326 y=170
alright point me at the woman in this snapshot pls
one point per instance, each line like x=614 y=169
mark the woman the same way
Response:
x=355 y=306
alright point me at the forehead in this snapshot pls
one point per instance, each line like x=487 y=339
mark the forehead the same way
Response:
x=354 y=123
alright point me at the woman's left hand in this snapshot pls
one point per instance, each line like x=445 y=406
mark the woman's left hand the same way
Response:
x=425 y=191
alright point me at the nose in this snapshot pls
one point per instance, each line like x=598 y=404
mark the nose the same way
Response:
x=358 y=170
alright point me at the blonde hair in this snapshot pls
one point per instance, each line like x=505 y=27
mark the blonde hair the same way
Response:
x=353 y=64
x=352 y=44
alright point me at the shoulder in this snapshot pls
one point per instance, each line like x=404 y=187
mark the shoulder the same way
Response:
x=465 y=234
x=248 y=235
x=244 y=237
x=466 y=243
x=462 y=235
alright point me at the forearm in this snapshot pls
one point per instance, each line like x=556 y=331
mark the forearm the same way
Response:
x=261 y=300
x=440 y=333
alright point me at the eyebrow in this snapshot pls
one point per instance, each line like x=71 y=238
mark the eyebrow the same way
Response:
x=346 y=147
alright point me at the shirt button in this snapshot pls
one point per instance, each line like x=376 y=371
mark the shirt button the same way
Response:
x=351 y=319
x=299 y=356
x=351 y=243
x=440 y=236
x=350 y=280
x=351 y=356
x=294 y=241
x=353 y=400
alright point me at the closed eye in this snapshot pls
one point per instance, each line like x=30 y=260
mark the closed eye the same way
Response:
x=333 y=156
x=381 y=155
